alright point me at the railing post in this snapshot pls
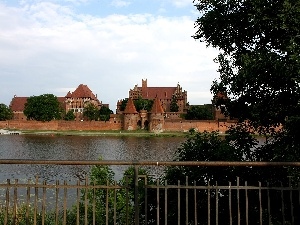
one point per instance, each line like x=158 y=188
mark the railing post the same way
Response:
x=136 y=194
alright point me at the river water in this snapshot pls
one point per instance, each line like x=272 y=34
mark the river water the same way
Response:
x=47 y=147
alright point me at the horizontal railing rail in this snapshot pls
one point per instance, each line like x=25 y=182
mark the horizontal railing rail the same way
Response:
x=141 y=200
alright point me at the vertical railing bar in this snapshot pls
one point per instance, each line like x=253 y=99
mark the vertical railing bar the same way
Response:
x=247 y=203
x=44 y=202
x=15 y=202
x=36 y=194
x=86 y=201
x=65 y=203
x=115 y=204
x=106 y=205
x=28 y=201
x=56 y=202
x=157 y=201
x=178 y=203
x=260 y=203
x=7 y=202
x=166 y=202
x=208 y=203
x=230 y=204
x=78 y=202
x=94 y=204
x=146 y=200
x=269 y=203
x=195 y=203
x=282 y=204
x=136 y=194
x=127 y=201
x=291 y=201
x=186 y=201
x=238 y=200
x=217 y=204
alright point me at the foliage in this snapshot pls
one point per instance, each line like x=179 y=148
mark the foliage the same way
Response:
x=5 y=112
x=200 y=112
x=45 y=107
x=123 y=104
x=239 y=145
x=173 y=105
x=104 y=113
x=69 y=116
x=259 y=60
x=140 y=104
x=91 y=112
x=124 y=196
x=143 y=104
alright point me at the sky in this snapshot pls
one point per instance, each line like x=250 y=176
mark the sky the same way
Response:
x=51 y=47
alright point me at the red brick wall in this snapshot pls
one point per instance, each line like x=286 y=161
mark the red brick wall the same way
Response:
x=169 y=125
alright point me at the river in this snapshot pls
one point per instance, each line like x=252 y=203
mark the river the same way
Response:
x=47 y=147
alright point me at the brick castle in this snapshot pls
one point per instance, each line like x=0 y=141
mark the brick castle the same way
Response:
x=158 y=119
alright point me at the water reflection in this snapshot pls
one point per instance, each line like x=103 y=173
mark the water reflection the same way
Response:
x=78 y=148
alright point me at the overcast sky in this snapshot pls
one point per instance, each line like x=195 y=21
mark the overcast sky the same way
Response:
x=110 y=45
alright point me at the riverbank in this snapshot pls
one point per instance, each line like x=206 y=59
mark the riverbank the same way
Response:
x=139 y=133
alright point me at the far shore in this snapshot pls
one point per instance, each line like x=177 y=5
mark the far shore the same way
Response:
x=117 y=133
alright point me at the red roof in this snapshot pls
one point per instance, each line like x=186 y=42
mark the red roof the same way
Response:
x=82 y=91
x=160 y=92
x=157 y=108
x=17 y=104
x=130 y=107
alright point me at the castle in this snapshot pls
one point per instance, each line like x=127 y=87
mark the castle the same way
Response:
x=129 y=118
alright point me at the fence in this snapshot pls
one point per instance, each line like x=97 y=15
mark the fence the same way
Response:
x=143 y=200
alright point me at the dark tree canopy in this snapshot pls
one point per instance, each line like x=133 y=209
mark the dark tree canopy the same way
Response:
x=200 y=112
x=45 y=107
x=5 y=112
x=173 y=106
x=259 y=43
x=104 y=113
x=91 y=112
x=69 y=116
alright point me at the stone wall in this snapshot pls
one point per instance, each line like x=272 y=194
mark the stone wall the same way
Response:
x=168 y=125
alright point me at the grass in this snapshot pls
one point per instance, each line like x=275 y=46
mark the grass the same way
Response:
x=117 y=133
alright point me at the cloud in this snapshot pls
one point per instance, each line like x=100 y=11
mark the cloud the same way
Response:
x=48 y=48
x=120 y=3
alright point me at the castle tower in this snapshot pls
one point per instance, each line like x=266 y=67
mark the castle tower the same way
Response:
x=144 y=93
x=130 y=116
x=157 y=118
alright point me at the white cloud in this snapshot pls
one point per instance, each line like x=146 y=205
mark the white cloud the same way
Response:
x=120 y=3
x=46 y=47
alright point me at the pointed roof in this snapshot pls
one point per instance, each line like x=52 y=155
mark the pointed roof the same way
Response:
x=130 y=107
x=82 y=91
x=157 y=108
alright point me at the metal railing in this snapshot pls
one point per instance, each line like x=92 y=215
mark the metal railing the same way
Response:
x=142 y=200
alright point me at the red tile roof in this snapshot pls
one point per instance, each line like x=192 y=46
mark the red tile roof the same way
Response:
x=17 y=104
x=160 y=92
x=130 y=107
x=82 y=91
x=157 y=108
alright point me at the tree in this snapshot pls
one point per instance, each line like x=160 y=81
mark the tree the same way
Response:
x=104 y=113
x=91 y=112
x=5 y=112
x=173 y=105
x=143 y=104
x=199 y=112
x=69 y=116
x=259 y=47
x=45 y=107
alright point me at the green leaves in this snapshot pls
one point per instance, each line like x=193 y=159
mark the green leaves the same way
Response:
x=45 y=107
x=5 y=113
